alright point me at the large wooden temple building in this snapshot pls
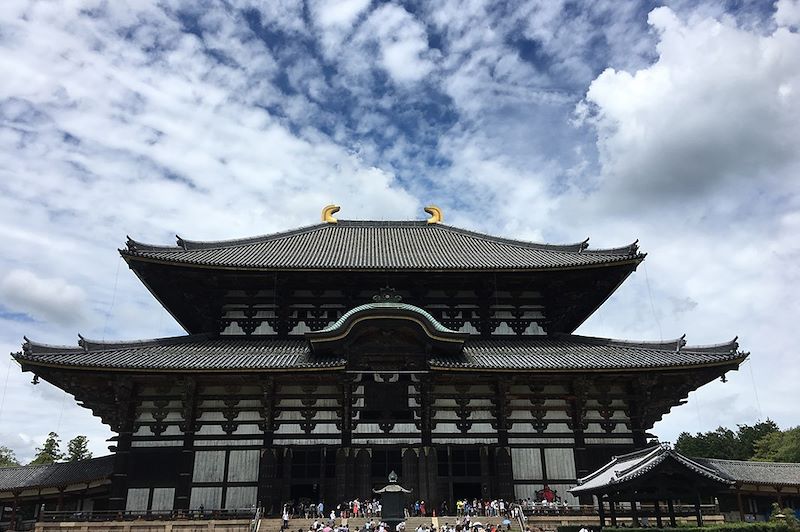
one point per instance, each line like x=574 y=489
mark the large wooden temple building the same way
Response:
x=319 y=359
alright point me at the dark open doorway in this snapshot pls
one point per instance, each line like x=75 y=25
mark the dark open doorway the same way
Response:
x=467 y=490
x=305 y=492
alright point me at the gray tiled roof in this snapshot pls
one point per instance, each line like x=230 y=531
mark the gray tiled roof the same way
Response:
x=747 y=472
x=580 y=352
x=193 y=352
x=203 y=353
x=55 y=475
x=627 y=467
x=379 y=245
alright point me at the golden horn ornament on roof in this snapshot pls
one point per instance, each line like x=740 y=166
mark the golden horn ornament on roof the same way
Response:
x=327 y=213
x=436 y=214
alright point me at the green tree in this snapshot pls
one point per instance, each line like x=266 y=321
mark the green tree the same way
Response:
x=750 y=435
x=49 y=452
x=7 y=457
x=779 y=447
x=724 y=442
x=78 y=449
x=720 y=443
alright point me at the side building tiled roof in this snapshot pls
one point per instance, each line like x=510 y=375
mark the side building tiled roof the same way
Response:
x=204 y=353
x=628 y=467
x=380 y=245
x=55 y=475
x=750 y=472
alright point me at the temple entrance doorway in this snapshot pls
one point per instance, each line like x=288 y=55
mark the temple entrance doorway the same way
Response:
x=467 y=490
x=305 y=492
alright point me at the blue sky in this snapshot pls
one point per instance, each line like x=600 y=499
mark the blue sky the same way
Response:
x=676 y=123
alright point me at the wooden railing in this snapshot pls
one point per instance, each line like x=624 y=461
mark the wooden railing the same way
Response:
x=681 y=510
x=167 y=515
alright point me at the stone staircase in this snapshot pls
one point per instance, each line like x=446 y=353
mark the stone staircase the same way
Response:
x=302 y=524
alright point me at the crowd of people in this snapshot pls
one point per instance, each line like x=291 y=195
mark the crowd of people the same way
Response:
x=462 y=524
x=311 y=510
x=545 y=502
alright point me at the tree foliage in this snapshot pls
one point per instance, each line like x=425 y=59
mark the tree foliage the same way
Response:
x=49 y=452
x=724 y=442
x=779 y=447
x=7 y=457
x=78 y=449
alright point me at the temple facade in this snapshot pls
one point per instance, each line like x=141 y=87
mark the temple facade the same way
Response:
x=318 y=360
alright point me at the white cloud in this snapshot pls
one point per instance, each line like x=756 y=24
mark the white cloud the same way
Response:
x=720 y=105
x=338 y=13
x=402 y=42
x=787 y=13
x=42 y=298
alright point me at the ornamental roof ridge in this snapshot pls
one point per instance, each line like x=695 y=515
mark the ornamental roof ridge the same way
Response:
x=183 y=244
x=31 y=346
x=677 y=344
x=376 y=305
x=110 y=345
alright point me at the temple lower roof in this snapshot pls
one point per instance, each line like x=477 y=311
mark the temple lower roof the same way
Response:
x=206 y=353
x=381 y=245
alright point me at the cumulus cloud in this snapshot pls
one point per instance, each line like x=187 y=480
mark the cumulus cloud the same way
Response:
x=720 y=104
x=787 y=13
x=43 y=298
x=402 y=43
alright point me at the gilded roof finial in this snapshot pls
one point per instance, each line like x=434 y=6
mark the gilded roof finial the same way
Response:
x=436 y=214
x=327 y=213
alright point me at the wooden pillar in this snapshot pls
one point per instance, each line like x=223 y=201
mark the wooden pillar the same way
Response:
x=424 y=475
x=341 y=478
x=125 y=403
x=601 y=511
x=739 y=504
x=634 y=513
x=347 y=424
x=780 y=498
x=697 y=513
x=410 y=478
x=432 y=459
x=505 y=474
x=183 y=489
x=501 y=385
x=671 y=510
x=60 y=501
x=612 y=507
x=267 y=470
x=14 y=511
x=286 y=476
x=268 y=481
x=657 y=507
x=486 y=477
x=426 y=410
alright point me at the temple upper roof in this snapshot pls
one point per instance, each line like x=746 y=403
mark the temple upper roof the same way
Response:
x=381 y=245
